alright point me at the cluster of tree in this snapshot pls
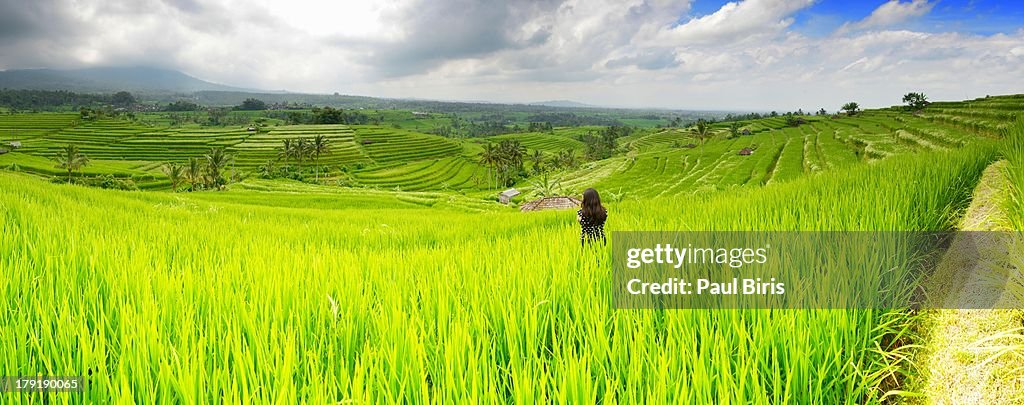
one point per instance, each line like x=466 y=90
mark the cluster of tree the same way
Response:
x=90 y=114
x=675 y=122
x=206 y=172
x=915 y=101
x=851 y=108
x=568 y=119
x=603 y=145
x=123 y=99
x=328 y=115
x=298 y=150
x=60 y=99
x=794 y=120
x=252 y=104
x=540 y=127
x=756 y=116
x=504 y=161
x=182 y=105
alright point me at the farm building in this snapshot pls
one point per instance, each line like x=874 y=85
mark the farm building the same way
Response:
x=506 y=196
x=745 y=152
x=550 y=203
x=15 y=144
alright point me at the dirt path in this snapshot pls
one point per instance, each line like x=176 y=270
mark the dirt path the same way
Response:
x=958 y=357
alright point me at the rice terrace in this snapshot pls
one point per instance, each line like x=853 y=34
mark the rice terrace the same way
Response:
x=166 y=239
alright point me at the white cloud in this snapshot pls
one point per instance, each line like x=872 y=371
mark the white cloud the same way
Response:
x=891 y=13
x=736 y=21
x=629 y=53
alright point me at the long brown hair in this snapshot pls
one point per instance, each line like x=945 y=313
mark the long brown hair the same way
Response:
x=591 y=207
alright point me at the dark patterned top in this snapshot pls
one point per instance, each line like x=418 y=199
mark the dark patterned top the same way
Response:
x=592 y=228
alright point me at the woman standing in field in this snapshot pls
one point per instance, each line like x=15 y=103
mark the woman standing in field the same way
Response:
x=591 y=217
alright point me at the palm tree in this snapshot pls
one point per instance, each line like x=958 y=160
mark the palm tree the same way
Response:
x=71 y=159
x=565 y=158
x=300 y=151
x=194 y=172
x=734 y=129
x=489 y=156
x=321 y=145
x=512 y=152
x=701 y=131
x=537 y=158
x=175 y=173
x=216 y=161
x=286 y=151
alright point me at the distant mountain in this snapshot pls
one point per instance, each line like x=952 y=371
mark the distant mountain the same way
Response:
x=109 y=79
x=563 y=103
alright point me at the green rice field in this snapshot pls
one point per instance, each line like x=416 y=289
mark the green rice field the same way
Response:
x=410 y=285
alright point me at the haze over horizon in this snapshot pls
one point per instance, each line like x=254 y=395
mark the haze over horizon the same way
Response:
x=746 y=55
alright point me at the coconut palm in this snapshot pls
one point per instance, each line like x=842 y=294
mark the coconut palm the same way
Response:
x=175 y=173
x=286 y=150
x=512 y=153
x=71 y=159
x=489 y=157
x=216 y=161
x=194 y=173
x=702 y=131
x=320 y=146
x=537 y=158
x=300 y=151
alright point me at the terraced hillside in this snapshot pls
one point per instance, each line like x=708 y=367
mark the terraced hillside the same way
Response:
x=989 y=115
x=546 y=142
x=259 y=148
x=672 y=162
x=456 y=173
x=27 y=126
x=656 y=162
x=388 y=145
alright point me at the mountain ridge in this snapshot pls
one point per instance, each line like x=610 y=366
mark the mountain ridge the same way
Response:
x=140 y=79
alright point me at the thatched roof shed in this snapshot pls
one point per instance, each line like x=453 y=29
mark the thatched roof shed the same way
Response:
x=15 y=144
x=745 y=152
x=550 y=203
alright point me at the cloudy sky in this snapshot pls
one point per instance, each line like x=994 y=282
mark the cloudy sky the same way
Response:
x=748 y=54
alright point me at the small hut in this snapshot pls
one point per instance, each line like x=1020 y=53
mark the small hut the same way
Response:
x=506 y=196
x=550 y=203
x=745 y=152
x=745 y=132
x=15 y=144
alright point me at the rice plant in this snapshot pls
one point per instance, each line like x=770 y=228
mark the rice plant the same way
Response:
x=204 y=297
